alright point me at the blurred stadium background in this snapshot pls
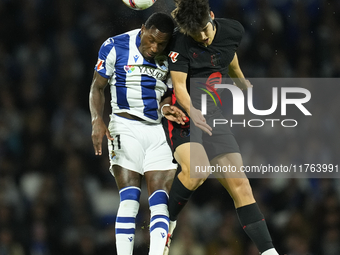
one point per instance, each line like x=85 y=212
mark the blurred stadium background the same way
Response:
x=56 y=197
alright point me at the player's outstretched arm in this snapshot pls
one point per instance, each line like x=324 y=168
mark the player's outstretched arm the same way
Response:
x=237 y=76
x=172 y=112
x=96 y=102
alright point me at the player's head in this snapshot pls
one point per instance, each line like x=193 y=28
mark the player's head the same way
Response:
x=155 y=34
x=194 y=18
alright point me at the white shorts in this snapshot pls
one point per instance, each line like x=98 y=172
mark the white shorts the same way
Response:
x=138 y=146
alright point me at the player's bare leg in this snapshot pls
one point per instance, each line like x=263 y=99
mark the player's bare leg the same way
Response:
x=129 y=184
x=183 y=186
x=236 y=183
x=189 y=155
x=250 y=216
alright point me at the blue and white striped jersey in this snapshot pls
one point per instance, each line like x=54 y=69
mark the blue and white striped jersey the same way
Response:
x=136 y=85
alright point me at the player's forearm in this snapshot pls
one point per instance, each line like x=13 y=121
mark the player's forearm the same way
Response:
x=237 y=76
x=166 y=100
x=183 y=98
x=235 y=73
x=96 y=101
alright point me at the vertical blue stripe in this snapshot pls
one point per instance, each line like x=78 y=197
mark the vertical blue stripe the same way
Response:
x=148 y=85
x=138 y=40
x=149 y=97
x=122 y=52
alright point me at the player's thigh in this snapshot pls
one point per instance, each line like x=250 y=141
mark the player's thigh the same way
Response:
x=158 y=155
x=192 y=157
x=159 y=169
x=222 y=141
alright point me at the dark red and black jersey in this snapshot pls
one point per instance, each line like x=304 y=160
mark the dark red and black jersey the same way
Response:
x=206 y=66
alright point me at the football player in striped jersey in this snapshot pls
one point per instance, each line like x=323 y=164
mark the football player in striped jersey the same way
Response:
x=135 y=67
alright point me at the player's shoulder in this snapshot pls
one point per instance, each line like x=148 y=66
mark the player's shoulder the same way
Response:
x=230 y=25
x=121 y=39
x=179 y=41
x=178 y=36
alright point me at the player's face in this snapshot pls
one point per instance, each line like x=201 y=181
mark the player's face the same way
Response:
x=153 y=42
x=207 y=33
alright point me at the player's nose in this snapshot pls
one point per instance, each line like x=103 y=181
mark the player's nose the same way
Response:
x=155 y=49
x=203 y=36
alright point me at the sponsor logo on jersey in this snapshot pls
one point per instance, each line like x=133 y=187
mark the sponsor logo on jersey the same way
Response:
x=173 y=56
x=100 y=64
x=129 y=69
x=135 y=57
x=153 y=72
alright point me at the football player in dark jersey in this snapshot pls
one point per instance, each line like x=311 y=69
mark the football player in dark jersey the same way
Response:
x=205 y=49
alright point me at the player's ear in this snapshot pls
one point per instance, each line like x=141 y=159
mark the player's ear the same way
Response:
x=142 y=30
x=212 y=15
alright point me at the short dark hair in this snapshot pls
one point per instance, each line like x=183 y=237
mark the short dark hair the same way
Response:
x=163 y=22
x=191 y=15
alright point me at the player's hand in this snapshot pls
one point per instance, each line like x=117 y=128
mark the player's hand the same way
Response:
x=99 y=129
x=175 y=114
x=199 y=121
x=243 y=84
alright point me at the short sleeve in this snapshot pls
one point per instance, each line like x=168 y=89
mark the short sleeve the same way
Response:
x=178 y=60
x=106 y=59
x=235 y=31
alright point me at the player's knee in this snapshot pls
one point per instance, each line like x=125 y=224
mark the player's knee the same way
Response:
x=190 y=183
x=242 y=187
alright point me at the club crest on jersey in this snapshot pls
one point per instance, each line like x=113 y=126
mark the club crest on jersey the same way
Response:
x=100 y=64
x=113 y=155
x=173 y=56
x=129 y=69
x=162 y=63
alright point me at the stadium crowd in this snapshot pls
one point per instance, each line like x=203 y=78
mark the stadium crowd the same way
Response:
x=57 y=197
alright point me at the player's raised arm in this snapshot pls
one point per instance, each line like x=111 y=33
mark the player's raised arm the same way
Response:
x=183 y=98
x=96 y=102
x=236 y=74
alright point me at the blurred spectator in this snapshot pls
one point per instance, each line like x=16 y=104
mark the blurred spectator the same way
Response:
x=8 y=246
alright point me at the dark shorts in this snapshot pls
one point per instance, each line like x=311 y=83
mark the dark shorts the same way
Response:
x=222 y=140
